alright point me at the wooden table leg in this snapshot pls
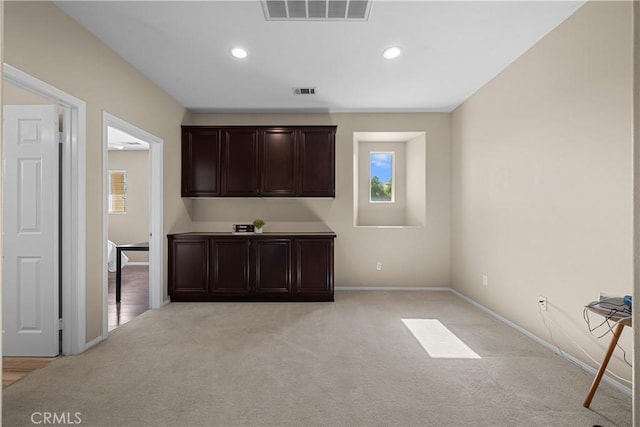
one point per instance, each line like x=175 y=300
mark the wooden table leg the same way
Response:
x=603 y=367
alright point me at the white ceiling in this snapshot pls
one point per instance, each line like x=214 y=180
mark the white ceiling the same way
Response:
x=450 y=50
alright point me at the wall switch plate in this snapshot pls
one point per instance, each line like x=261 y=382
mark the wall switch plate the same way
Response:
x=485 y=280
x=378 y=266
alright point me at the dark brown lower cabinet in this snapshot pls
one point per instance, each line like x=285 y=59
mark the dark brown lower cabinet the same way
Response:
x=189 y=264
x=229 y=266
x=314 y=269
x=272 y=262
x=255 y=267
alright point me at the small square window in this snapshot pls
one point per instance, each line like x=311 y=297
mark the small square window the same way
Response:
x=381 y=174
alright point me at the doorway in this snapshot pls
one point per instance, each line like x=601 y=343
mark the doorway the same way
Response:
x=128 y=226
x=135 y=156
x=72 y=236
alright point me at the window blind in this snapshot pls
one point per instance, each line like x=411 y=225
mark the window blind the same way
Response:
x=117 y=192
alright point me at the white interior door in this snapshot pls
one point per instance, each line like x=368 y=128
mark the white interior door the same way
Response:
x=30 y=231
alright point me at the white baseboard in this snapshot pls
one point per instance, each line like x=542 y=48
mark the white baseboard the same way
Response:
x=391 y=288
x=138 y=263
x=95 y=341
x=606 y=378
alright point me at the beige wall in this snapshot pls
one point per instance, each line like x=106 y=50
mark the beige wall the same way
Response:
x=46 y=43
x=14 y=95
x=133 y=226
x=542 y=180
x=410 y=257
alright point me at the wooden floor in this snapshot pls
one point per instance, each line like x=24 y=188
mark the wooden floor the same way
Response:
x=16 y=368
x=134 y=298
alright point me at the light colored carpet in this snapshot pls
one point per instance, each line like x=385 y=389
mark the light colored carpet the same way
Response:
x=347 y=363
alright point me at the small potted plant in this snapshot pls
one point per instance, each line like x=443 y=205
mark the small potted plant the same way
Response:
x=258 y=223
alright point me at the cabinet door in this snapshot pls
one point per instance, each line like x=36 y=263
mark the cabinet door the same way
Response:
x=201 y=149
x=272 y=266
x=317 y=162
x=314 y=266
x=230 y=266
x=240 y=171
x=279 y=162
x=188 y=268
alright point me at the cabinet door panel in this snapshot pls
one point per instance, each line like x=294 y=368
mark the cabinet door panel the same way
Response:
x=189 y=266
x=230 y=266
x=200 y=162
x=240 y=172
x=272 y=266
x=279 y=162
x=314 y=266
x=317 y=154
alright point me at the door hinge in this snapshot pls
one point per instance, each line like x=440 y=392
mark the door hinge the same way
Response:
x=59 y=324
x=60 y=137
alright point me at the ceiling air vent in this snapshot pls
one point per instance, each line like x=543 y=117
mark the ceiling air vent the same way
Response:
x=304 y=90
x=316 y=10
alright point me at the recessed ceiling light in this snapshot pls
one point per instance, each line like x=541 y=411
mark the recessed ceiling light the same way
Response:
x=392 y=52
x=238 y=52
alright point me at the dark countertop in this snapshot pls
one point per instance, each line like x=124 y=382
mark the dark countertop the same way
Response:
x=266 y=234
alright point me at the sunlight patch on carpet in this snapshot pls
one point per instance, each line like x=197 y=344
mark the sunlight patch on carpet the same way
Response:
x=439 y=341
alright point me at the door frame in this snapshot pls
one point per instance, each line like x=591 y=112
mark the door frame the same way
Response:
x=73 y=202
x=156 y=248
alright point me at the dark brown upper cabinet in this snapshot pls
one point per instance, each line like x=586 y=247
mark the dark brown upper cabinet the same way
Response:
x=317 y=162
x=201 y=149
x=240 y=165
x=258 y=161
x=279 y=162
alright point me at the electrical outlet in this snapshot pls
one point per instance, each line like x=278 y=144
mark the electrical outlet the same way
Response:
x=542 y=303
x=379 y=266
x=485 y=280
